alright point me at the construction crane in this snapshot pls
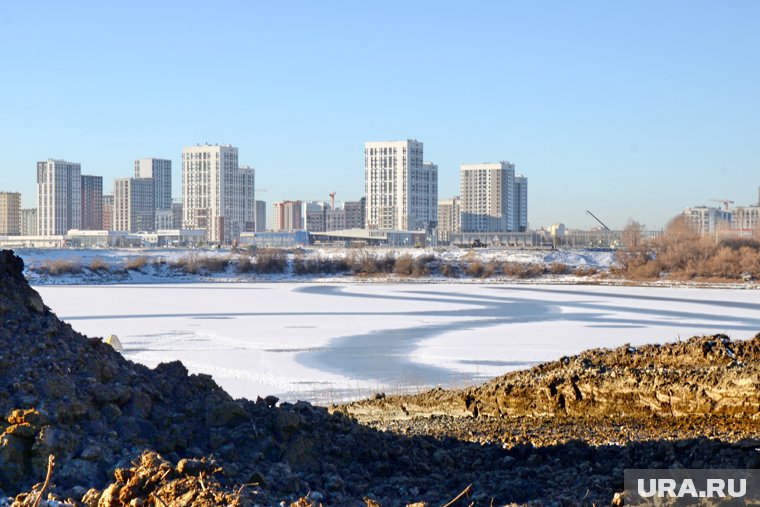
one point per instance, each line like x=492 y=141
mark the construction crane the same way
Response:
x=725 y=202
x=332 y=200
x=603 y=224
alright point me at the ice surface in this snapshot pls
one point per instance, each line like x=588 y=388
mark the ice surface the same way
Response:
x=327 y=342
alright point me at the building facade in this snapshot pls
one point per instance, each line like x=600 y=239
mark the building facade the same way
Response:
x=107 y=224
x=59 y=197
x=707 y=219
x=217 y=194
x=521 y=203
x=161 y=172
x=355 y=213
x=260 y=218
x=487 y=192
x=92 y=203
x=314 y=215
x=449 y=218
x=745 y=219
x=288 y=216
x=10 y=214
x=29 y=222
x=401 y=191
x=134 y=208
x=177 y=214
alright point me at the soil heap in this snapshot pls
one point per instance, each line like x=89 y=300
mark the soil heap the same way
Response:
x=124 y=434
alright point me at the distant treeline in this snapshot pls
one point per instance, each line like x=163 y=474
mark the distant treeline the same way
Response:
x=682 y=254
x=274 y=261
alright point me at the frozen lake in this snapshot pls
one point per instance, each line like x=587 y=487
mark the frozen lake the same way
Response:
x=325 y=343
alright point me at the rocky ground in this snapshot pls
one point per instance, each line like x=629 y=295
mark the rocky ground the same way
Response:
x=558 y=434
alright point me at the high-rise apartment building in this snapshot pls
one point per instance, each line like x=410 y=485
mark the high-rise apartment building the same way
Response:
x=134 y=208
x=217 y=194
x=449 y=218
x=521 y=203
x=487 y=192
x=401 y=190
x=29 y=222
x=288 y=216
x=107 y=223
x=10 y=213
x=59 y=197
x=260 y=217
x=355 y=213
x=92 y=203
x=161 y=172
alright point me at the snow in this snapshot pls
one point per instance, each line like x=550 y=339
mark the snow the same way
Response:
x=162 y=273
x=329 y=342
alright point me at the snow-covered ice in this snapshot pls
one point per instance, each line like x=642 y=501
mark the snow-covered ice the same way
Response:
x=326 y=342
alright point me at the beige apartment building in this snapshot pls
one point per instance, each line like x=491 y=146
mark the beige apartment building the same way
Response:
x=217 y=193
x=59 y=197
x=10 y=214
x=449 y=218
x=487 y=193
x=401 y=190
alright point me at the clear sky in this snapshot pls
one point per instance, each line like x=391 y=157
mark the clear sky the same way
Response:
x=630 y=109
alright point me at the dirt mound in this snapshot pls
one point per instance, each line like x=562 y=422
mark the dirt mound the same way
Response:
x=704 y=376
x=76 y=398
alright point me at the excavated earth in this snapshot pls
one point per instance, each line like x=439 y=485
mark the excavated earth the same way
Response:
x=559 y=434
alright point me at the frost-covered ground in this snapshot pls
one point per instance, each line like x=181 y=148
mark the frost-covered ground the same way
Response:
x=158 y=268
x=326 y=342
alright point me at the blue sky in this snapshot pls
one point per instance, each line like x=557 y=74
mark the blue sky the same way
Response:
x=629 y=109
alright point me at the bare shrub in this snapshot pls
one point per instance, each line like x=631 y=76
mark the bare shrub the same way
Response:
x=244 y=264
x=479 y=269
x=403 y=265
x=363 y=262
x=60 y=267
x=271 y=261
x=513 y=269
x=422 y=265
x=449 y=270
x=194 y=264
x=585 y=271
x=98 y=264
x=136 y=263
x=559 y=268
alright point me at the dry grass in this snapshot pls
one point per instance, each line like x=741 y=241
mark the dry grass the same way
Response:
x=479 y=269
x=98 y=264
x=523 y=270
x=136 y=263
x=60 y=267
x=585 y=271
x=559 y=268
x=196 y=264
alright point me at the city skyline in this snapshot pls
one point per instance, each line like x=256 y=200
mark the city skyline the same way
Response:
x=632 y=111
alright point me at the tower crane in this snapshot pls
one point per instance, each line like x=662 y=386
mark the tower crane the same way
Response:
x=725 y=202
